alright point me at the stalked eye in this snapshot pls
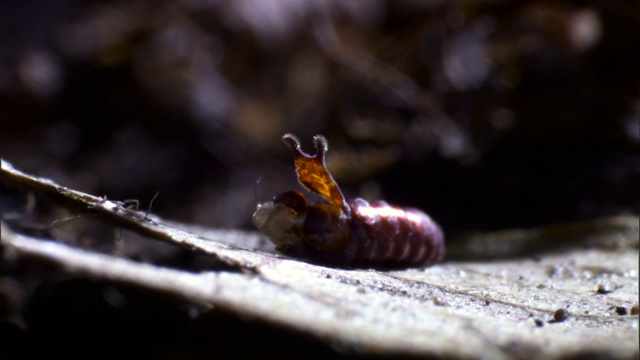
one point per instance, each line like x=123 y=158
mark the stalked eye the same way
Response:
x=318 y=220
x=291 y=199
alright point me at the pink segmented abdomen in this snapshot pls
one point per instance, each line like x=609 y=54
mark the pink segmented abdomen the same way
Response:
x=384 y=233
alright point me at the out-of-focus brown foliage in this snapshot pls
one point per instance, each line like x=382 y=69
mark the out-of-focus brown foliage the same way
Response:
x=486 y=114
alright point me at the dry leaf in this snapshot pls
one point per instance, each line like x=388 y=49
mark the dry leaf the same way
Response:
x=557 y=292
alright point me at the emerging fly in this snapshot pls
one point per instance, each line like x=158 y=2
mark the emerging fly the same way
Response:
x=339 y=230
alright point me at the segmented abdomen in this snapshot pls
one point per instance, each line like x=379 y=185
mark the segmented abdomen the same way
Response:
x=380 y=232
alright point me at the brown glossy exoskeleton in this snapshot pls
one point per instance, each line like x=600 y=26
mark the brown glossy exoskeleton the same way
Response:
x=339 y=230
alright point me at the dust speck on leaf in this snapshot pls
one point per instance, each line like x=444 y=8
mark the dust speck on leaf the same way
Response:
x=605 y=288
x=559 y=315
x=621 y=310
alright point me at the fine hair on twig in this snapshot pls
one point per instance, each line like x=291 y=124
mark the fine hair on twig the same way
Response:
x=151 y=204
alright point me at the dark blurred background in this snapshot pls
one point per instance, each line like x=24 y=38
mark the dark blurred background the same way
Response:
x=486 y=114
